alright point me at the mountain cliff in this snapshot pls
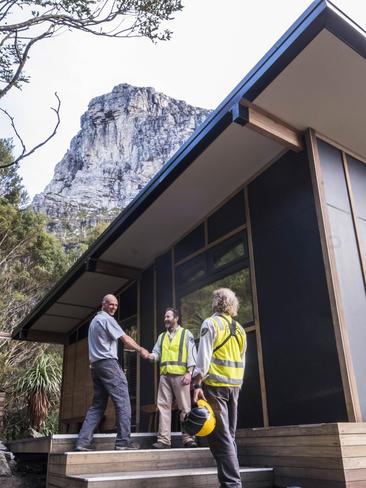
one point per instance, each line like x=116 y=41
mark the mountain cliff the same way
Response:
x=125 y=138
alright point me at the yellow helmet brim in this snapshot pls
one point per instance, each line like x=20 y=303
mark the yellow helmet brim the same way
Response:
x=210 y=423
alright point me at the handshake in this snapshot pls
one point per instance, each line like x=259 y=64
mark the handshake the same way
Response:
x=145 y=354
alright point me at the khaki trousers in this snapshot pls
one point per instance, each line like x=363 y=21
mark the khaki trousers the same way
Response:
x=171 y=386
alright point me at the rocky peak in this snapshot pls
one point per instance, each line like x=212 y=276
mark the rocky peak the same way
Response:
x=125 y=138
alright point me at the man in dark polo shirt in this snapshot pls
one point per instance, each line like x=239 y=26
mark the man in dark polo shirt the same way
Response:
x=108 y=377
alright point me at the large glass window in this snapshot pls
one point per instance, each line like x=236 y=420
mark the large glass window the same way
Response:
x=225 y=265
x=196 y=306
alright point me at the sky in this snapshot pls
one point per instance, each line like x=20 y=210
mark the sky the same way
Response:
x=214 y=44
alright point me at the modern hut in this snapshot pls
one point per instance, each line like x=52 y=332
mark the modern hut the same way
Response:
x=268 y=197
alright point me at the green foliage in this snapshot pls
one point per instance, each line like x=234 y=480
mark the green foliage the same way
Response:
x=10 y=182
x=31 y=377
x=40 y=385
x=31 y=261
x=85 y=242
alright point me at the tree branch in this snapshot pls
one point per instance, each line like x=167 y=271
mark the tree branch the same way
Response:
x=25 y=153
x=23 y=60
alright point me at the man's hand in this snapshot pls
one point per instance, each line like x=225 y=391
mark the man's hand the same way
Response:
x=151 y=357
x=186 y=380
x=198 y=395
x=144 y=353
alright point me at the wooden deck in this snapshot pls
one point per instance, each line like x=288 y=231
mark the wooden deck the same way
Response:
x=310 y=456
x=306 y=456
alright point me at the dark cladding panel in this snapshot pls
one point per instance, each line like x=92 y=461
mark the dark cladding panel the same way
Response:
x=191 y=243
x=164 y=287
x=147 y=335
x=227 y=218
x=343 y=239
x=128 y=302
x=250 y=412
x=301 y=366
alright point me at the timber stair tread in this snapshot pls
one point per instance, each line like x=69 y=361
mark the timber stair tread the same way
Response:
x=130 y=451
x=145 y=468
x=129 y=475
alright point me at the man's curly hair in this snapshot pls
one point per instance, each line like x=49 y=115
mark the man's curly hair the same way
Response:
x=224 y=300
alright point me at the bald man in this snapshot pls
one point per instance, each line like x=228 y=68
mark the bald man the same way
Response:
x=108 y=377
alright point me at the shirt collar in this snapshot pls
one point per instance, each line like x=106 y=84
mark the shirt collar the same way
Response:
x=172 y=334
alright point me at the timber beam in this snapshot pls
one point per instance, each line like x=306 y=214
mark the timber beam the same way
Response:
x=113 y=269
x=250 y=116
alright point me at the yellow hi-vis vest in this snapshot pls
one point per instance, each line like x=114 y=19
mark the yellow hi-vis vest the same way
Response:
x=173 y=353
x=227 y=365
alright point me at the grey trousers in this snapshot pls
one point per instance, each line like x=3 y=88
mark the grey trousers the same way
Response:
x=109 y=380
x=224 y=402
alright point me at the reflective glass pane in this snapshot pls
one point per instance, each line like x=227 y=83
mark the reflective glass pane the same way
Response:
x=226 y=256
x=191 y=271
x=196 y=306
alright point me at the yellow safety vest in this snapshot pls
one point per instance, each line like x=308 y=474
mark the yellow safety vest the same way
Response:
x=227 y=365
x=173 y=353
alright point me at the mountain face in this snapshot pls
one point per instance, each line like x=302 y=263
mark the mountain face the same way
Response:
x=125 y=138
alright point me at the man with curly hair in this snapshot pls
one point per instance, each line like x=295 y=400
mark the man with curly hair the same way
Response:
x=218 y=378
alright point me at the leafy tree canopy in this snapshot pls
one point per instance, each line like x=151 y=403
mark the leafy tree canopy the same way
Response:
x=31 y=260
x=11 y=190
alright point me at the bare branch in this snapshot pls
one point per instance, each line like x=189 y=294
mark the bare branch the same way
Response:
x=24 y=154
x=6 y=9
x=22 y=62
x=16 y=133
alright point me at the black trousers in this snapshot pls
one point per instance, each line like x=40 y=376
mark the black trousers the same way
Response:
x=224 y=402
x=109 y=380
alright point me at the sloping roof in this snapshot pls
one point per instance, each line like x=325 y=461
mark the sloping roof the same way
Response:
x=314 y=76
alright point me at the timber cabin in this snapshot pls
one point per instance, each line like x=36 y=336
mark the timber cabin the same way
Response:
x=268 y=197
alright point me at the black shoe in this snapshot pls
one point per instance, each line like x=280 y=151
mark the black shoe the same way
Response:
x=83 y=449
x=128 y=446
x=190 y=444
x=161 y=445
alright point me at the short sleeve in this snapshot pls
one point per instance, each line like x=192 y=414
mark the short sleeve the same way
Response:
x=113 y=329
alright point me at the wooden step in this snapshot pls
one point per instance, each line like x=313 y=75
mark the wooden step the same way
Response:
x=174 y=478
x=59 y=443
x=71 y=463
x=105 y=442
